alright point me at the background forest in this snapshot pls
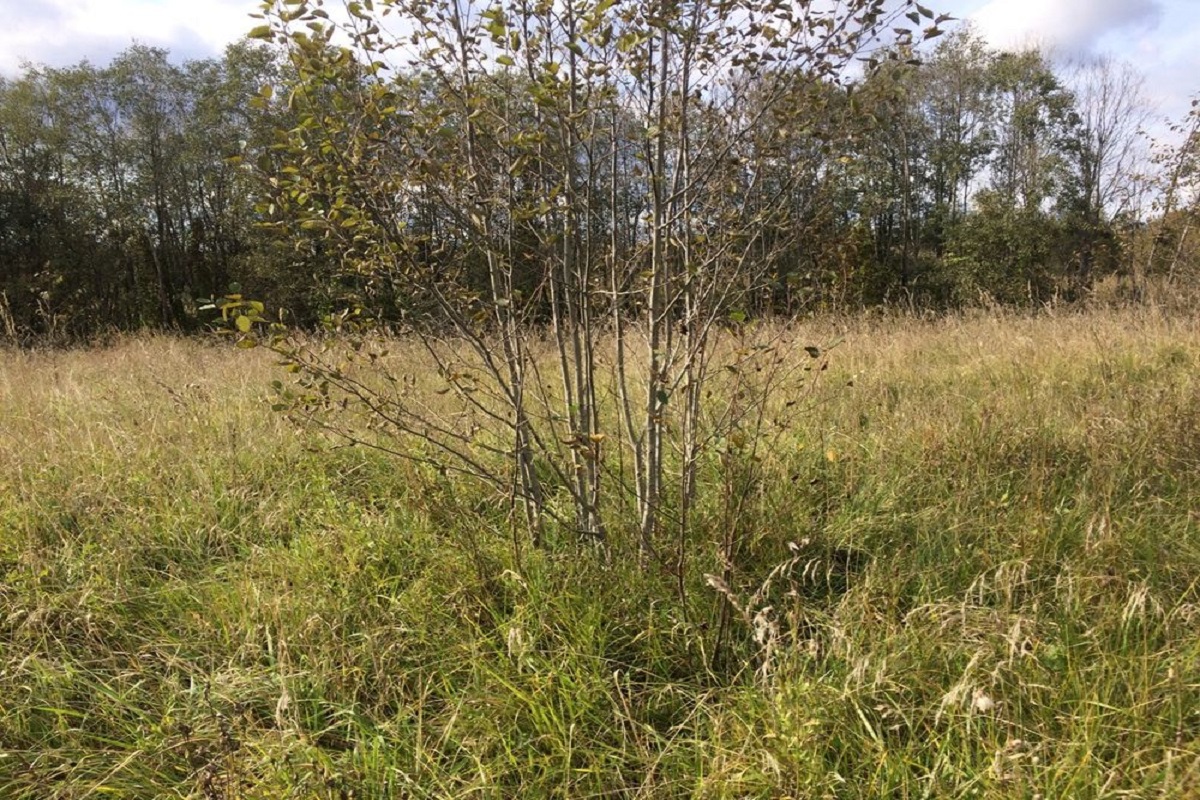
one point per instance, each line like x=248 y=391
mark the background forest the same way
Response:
x=128 y=192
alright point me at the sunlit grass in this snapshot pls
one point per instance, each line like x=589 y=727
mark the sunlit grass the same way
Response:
x=995 y=594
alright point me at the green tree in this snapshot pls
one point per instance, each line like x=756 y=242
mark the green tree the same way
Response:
x=1175 y=182
x=1104 y=153
x=120 y=202
x=605 y=166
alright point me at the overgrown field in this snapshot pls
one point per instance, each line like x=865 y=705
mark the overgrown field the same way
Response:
x=994 y=590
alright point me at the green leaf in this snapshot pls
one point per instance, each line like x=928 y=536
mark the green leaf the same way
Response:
x=243 y=323
x=260 y=32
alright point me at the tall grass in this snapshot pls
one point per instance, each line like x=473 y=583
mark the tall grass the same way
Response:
x=991 y=590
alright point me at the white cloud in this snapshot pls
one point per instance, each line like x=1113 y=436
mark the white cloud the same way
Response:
x=63 y=32
x=1071 y=26
x=1161 y=38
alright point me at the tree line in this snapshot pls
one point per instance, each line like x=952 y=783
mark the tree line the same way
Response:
x=131 y=192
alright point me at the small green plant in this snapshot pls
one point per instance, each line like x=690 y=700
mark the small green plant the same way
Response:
x=239 y=315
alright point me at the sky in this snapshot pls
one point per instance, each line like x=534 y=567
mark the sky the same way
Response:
x=1160 y=37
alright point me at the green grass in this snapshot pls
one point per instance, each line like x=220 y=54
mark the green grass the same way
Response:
x=997 y=591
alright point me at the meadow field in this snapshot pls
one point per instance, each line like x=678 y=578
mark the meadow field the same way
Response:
x=971 y=566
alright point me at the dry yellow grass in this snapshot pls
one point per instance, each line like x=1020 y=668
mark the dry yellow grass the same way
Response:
x=201 y=601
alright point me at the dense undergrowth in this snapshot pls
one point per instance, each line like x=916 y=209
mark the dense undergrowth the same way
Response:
x=992 y=591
